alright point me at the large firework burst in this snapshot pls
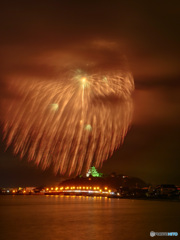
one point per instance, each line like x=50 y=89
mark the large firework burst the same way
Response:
x=71 y=122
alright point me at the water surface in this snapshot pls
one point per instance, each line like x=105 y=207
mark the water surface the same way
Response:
x=68 y=217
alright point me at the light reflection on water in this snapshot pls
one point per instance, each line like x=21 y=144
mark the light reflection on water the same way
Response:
x=70 y=217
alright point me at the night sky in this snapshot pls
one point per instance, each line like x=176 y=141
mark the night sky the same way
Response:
x=34 y=33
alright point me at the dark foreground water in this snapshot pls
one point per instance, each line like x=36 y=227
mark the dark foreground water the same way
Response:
x=67 y=217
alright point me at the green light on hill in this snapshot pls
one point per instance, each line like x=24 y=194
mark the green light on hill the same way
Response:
x=93 y=172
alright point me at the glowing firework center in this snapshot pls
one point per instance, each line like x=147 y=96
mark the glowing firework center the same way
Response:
x=54 y=106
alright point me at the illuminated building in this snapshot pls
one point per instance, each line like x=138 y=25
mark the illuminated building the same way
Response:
x=93 y=172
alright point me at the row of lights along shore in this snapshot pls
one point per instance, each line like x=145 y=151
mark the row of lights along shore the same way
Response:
x=103 y=190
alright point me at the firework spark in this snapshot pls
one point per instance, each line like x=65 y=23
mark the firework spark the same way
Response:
x=69 y=124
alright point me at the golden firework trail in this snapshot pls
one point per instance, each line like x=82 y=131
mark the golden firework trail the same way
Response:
x=71 y=122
